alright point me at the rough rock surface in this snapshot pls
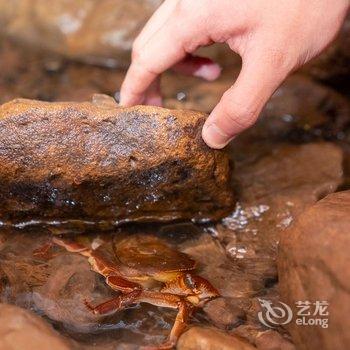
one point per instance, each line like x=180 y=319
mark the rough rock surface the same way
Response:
x=95 y=31
x=21 y=329
x=99 y=163
x=314 y=265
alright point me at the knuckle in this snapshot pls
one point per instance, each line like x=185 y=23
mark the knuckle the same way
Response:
x=281 y=60
x=241 y=121
x=278 y=58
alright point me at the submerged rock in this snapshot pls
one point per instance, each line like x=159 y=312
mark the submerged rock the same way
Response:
x=21 y=329
x=20 y=271
x=314 y=267
x=198 y=338
x=96 y=164
x=302 y=110
x=62 y=296
x=265 y=339
x=99 y=32
x=226 y=313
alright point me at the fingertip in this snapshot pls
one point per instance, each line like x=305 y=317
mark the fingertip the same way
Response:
x=214 y=136
x=128 y=99
x=125 y=101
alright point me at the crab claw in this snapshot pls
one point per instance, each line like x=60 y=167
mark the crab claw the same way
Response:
x=201 y=288
x=120 y=302
x=105 y=308
x=195 y=288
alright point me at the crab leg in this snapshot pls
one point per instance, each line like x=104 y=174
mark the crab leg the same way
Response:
x=179 y=326
x=100 y=265
x=72 y=246
x=137 y=296
x=115 y=304
x=155 y=298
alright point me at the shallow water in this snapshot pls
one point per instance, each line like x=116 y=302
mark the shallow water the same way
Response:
x=274 y=179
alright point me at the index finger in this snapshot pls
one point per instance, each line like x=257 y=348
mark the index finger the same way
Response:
x=165 y=48
x=156 y=21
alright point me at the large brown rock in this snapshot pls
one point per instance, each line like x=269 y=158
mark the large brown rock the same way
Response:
x=314 y=265
x=95 y=31
x=97 y=163
x=21 y=329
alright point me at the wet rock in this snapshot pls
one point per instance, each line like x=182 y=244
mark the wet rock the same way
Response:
x=272 y=340
x=264 y=339
x=289 y=171
x=99 y=32
x=283 y=185
x=198 y=338
x=96 y=164
x=20 y=271
x=70 y=282
x=225 y=313
x=302 y=110
x=21 y=329
x=314 y=266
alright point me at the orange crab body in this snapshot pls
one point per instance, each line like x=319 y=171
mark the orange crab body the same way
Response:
x=146 y=270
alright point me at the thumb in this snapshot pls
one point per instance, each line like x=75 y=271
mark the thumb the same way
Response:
x=241 y=104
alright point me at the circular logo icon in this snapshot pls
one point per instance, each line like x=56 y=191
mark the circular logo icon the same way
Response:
x=274 y=315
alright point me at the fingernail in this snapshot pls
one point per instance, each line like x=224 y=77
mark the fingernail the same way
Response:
x=208 y=71
x=214 y=137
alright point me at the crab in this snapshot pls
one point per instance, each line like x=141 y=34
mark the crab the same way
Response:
x=144 y=269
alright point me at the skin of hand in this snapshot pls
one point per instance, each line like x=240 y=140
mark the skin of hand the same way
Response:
x=273 y=38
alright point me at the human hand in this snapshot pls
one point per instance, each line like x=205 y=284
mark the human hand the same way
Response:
x=273 y=37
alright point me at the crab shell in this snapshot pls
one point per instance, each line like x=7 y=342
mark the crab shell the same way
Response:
x=146 y=255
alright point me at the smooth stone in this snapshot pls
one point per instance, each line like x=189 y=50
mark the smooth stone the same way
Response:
x=314 y=265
